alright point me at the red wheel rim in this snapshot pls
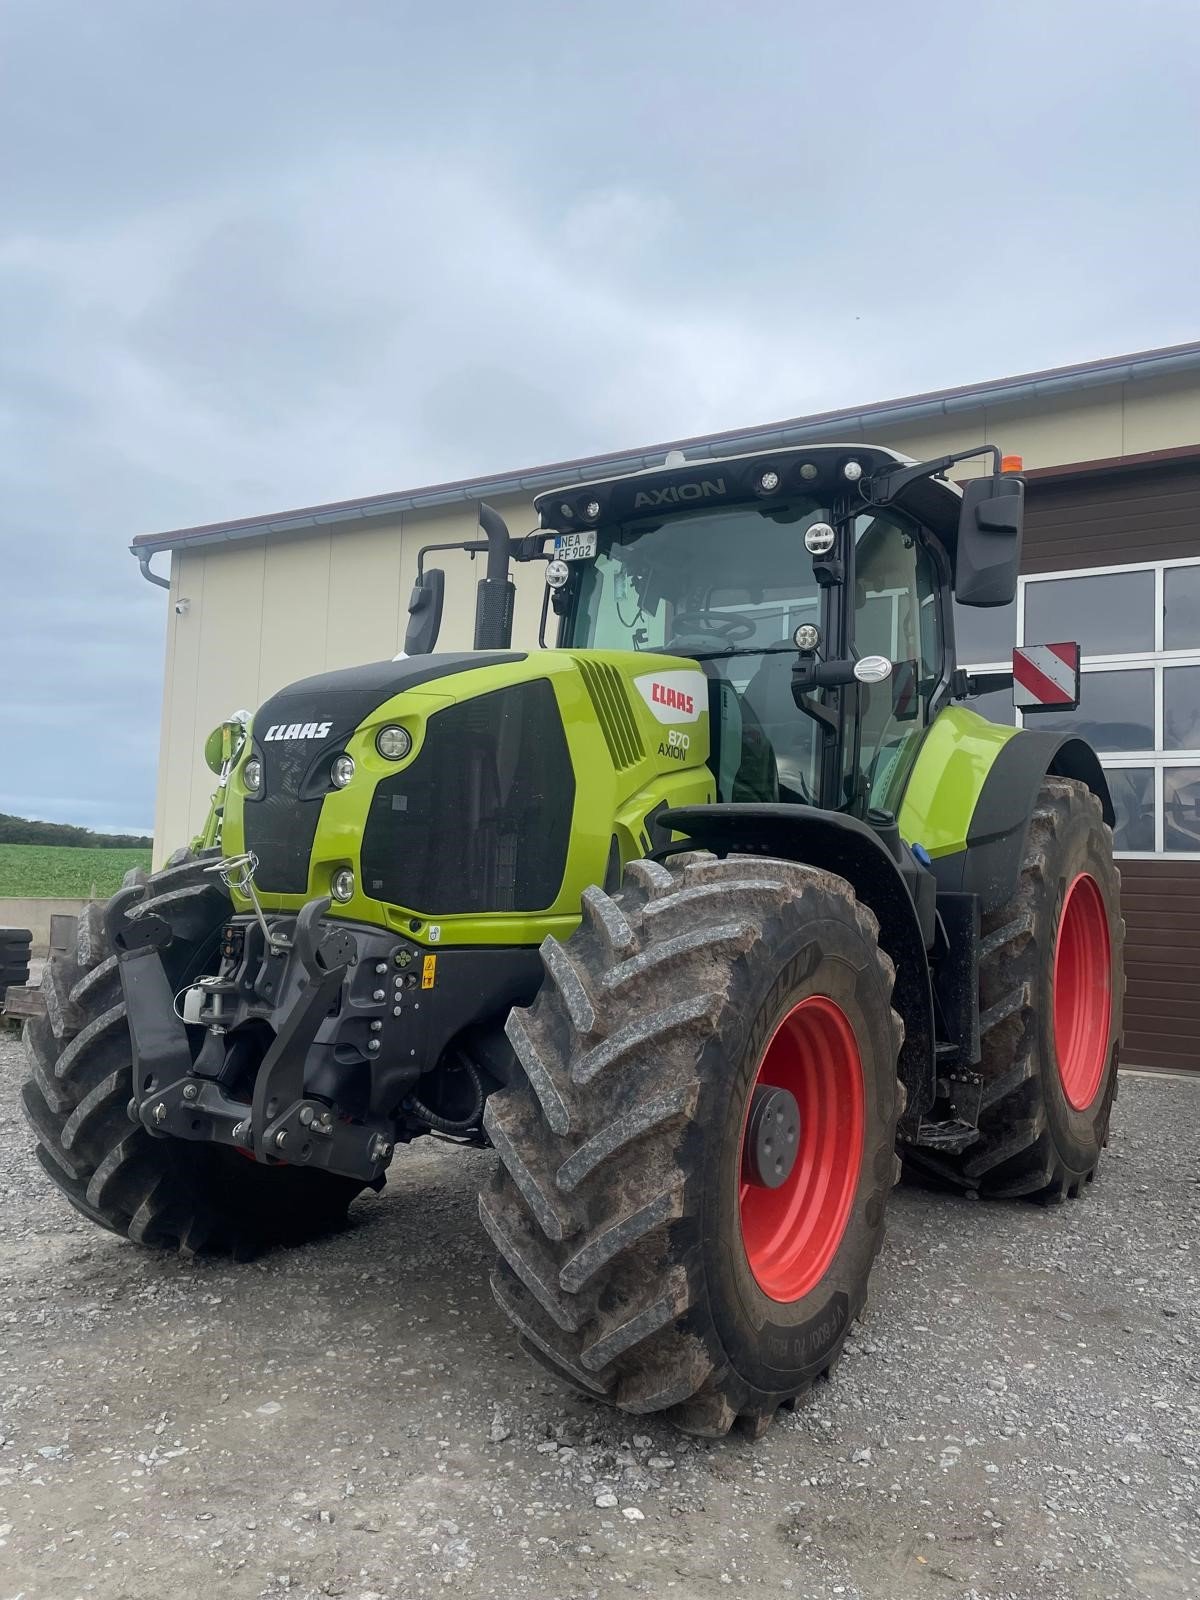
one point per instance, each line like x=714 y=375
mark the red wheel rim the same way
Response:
x=790 y=1234
x=1082 y=992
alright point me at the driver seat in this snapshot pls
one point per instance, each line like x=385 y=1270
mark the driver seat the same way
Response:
x=768 y=698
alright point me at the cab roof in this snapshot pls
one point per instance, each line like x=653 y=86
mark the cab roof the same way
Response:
x=759 y=478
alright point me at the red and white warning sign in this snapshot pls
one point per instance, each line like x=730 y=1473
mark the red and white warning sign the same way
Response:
x=1046 y=677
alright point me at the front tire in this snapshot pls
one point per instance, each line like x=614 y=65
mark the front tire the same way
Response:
x=170 y=1193
x=641 y=1254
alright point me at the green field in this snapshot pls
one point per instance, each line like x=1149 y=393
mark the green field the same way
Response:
x=63 y=871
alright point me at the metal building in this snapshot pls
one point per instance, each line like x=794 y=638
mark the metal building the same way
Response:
x=1112 y=558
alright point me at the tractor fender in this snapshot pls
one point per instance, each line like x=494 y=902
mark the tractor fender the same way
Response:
x=995 y=844
x=848 y=847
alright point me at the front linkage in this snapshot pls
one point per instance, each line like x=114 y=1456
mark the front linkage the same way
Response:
x=172 y=1095
x=316 y=1033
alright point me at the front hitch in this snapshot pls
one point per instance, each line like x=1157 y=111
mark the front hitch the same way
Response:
x=281 y=1123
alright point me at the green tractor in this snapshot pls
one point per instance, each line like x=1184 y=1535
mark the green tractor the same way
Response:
x=709 y=918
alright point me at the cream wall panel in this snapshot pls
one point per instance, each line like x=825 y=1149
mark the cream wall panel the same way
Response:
x=1161 y=415
x=1049 y=434
x=228 y=622
x=178 y=716
x=295 y=603
x=367 y=595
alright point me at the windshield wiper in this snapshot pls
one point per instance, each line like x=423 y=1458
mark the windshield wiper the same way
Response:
x=720 y=652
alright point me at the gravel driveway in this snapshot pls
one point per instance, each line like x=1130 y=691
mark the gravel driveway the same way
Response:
x=1018 y=1415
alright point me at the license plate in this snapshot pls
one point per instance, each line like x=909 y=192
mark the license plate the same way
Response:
x=579 y=546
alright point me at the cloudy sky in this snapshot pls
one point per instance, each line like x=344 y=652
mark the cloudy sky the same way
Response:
x=255 y=254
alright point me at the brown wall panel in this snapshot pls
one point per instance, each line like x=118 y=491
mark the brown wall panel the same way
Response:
x=1161 y=902
x=1104 y=519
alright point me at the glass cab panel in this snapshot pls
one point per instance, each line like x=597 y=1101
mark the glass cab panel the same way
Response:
x=896 y=605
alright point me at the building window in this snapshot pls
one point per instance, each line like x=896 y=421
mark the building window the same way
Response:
x=1138 y=628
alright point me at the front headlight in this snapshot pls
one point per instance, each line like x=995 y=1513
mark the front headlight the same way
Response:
x=341 y=885
x=393 y=743
x=342 y=771
x=252 y=775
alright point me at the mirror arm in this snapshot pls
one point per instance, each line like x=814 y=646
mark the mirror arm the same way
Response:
x=474 y=546
x=885 y=486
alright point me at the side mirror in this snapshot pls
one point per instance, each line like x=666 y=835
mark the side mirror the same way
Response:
x=989 y=541
x=425 y=612
x=224 y=743
x=214 y=759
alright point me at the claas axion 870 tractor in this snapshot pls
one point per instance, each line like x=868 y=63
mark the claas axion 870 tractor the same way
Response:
x=707 y=918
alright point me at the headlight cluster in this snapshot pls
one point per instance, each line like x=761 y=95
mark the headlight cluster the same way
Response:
x=393 y=743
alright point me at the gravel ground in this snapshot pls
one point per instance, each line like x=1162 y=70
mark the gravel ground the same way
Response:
x=1017 y=1416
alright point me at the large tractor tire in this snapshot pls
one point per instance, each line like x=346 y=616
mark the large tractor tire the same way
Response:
x=1052 y=988
x=692 y=1182
x=169 y=1193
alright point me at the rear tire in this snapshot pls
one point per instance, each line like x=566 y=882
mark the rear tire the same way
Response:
x=1052 y=988
x=635 y=1258
x=169 y=1193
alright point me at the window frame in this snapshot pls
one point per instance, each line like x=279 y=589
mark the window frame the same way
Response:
x=1159 y=660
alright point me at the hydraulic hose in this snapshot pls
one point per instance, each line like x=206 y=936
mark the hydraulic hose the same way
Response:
x=455 y=1125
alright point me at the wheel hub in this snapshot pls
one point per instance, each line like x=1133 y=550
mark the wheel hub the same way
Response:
x=772 y=1139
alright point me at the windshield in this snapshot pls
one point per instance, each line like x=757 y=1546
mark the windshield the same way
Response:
x=727 y=588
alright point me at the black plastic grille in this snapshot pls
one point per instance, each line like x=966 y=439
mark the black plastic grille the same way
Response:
x=481 y=819
x=280 y=828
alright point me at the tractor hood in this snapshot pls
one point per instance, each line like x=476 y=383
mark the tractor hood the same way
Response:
x=474 y=794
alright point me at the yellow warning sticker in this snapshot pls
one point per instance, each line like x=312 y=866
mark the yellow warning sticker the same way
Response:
x=428 y=972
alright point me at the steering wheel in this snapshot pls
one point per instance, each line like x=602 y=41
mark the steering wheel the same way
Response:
x=728 y=626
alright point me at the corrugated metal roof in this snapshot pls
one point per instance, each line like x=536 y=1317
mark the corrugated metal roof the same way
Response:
x=912 y=409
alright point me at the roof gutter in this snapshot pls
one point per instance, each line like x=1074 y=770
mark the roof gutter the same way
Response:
x=823 y=429
x=145 y=555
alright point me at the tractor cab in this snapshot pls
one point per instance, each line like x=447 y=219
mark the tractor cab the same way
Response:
x=813 y=589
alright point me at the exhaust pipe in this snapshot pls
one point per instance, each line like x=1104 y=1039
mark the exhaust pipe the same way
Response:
x=496 y=593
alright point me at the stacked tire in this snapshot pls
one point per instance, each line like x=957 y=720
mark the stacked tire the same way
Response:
x=15 y=946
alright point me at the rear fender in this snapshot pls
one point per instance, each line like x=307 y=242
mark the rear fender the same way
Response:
x=848 y=847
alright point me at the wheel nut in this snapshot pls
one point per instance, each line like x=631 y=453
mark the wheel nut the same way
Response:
x=381 y=967
x=376 y=1026
x=372 y=1045
x=380 y=994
